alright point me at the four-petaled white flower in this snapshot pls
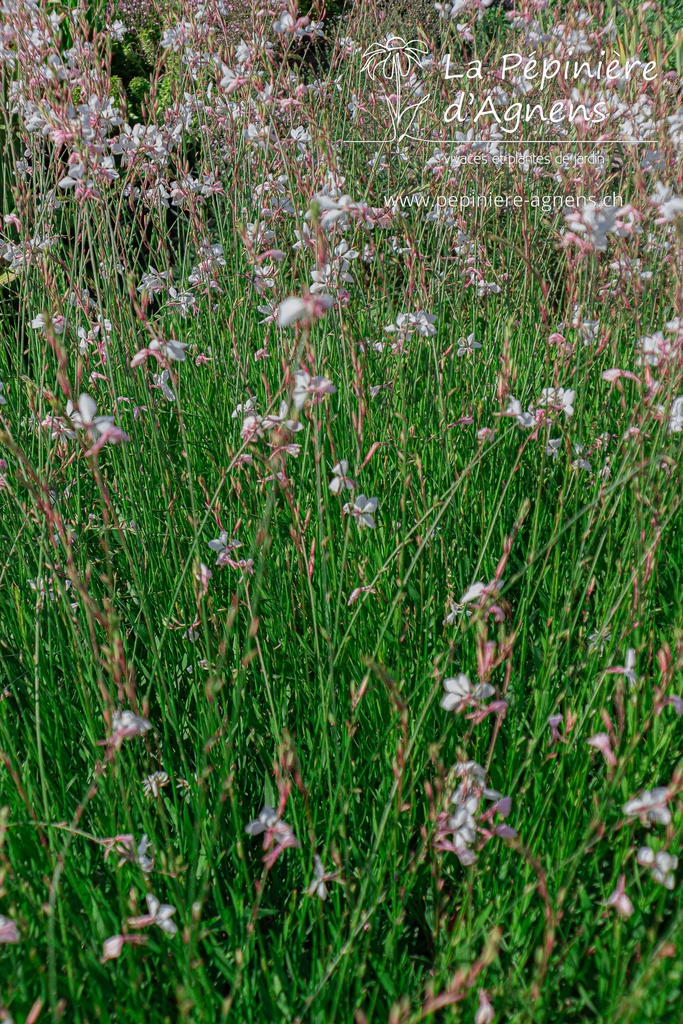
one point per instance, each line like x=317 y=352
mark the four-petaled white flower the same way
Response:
x=159 y=914
x=225 y=547
x=561 y=398
x=267 y=819
x=125 y=725
x=524 y=419
x=276 y=833
x=661 y=865
x=40 y=322
x=408 y=323
x=460 y=693
x=650 y=805
x=363 y=510
x=170 y=350
x=280 y=420
x=339 y=479
x=310 y=389
x=318 y=886
x=468 y=345
x=100 y=428
x=154 y=783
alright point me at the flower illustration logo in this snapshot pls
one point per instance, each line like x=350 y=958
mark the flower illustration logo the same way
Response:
x=395 y=61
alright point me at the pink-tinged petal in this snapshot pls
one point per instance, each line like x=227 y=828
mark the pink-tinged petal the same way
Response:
x=619 y=900
x=450 y=701
x=112 y=947
x=601 y=742
x=9 y=933
x=503 y=806
x=142 y=922
x=505 y=832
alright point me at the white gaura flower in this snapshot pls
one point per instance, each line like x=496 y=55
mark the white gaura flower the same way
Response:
x=304 y=310
x=650 y=806
x=320 y=877
x=562 y=398
x=468 y=345
x=160 y=380
x=84 y=417
x=243 y=408
x=669 y=210
x=460 y=693
x=267 y=819
x=485 y=1013
x=340 y=480
x=655 y=348
x=408 y=323
x=310 y=389
x=117 y=31
x=619 y=900
x=154 y=281
x=363 y=510
x=524 y=419
x=125 y=725
x=278 y=421
x=154 y=783
x=473 y=593
x=276 y=833
x=170 y=350
x=251 y=427
x=628 y=670
x=220 y=541
x=159 y=914
x=129 y=853
x=663 y=869
x=285 y=23
x=661 y=865
x=9 y=933
x=225 y=548
x=676 y=416
x=40 y=323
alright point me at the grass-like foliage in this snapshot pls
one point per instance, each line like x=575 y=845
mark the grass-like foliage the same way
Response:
x=341 y=552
